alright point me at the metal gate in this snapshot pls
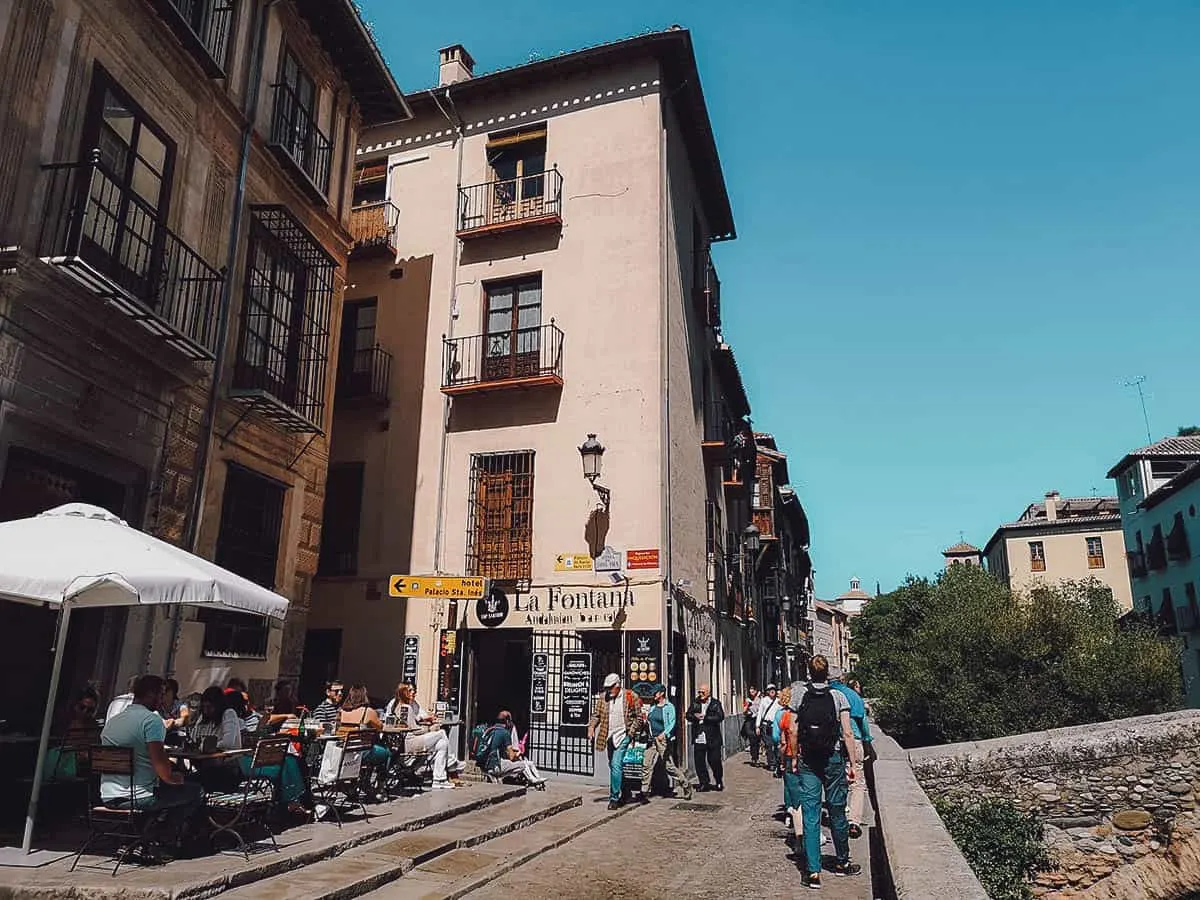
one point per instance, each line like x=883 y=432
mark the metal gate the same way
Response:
x=551 y=746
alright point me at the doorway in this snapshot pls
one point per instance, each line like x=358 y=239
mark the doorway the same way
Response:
x=322 y=657
x=501 y=662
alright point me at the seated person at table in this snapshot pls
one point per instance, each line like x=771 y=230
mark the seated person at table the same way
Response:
x=121 y=702
x=283 y=706
x=175 y=711
x=239 y=701
x=81 y=731
x=329 y=709
x=217 y=729
x=357 y=713
x=155 y=785
x=434 y=741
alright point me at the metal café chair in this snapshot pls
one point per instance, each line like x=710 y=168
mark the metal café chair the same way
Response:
x=232 y=812
x=343 y=786
x=121 y=821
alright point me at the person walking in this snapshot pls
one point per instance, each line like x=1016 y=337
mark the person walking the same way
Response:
x=706 y=716
x=823 y=759
x=661 y=723
x=863 y=750
x=767 y=708
x=616 y=717
x=750 y=726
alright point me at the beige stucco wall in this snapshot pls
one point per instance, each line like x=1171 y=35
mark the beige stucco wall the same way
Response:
x=602 y=283
x=1066 y=560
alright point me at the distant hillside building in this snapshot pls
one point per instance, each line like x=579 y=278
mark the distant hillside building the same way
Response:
x=853 y=601
x=963 y=554
x=1061 y=539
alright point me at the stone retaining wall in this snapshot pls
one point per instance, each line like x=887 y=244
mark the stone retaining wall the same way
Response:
x=1110 y=794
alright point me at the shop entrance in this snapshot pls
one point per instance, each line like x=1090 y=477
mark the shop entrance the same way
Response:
x=500 y=671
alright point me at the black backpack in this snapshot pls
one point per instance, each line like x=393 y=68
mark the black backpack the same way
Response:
x=817 y=726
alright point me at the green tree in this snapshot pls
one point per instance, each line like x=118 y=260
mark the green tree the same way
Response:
x=1189 y=430
x=1002 y=844
x=963 y=658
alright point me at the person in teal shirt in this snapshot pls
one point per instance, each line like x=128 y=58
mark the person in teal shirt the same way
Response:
x=661 y=721
x=857 y=797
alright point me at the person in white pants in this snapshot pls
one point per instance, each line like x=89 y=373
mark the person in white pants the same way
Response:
x=508 y=748
x=405 y=708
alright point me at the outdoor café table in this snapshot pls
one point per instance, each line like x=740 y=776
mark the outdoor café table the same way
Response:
x=195 y=756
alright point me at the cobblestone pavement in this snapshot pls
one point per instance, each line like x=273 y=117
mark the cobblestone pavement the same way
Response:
x=740 y=848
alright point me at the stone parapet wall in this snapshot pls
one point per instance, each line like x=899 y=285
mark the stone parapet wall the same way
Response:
x=1110 y=794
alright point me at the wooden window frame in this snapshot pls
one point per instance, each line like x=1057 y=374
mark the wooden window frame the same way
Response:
x=524 y=356
x=1037 y=559
x=500 y=516
x=1095 y=559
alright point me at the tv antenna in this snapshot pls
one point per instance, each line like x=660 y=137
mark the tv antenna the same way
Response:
x=1137 y=383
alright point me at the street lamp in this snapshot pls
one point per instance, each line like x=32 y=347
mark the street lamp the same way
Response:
x=751 y=539
x=592 y=452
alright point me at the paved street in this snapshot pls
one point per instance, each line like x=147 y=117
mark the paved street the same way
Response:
x=739 y=847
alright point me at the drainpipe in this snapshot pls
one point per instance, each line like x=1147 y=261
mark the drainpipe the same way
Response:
x=450 y=316
x=192 y=532
x=665 y=431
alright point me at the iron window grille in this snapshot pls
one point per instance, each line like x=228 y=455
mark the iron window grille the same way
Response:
x=340 y=522
x=204 y=28
x=500 y=516
x=247 y=544
x=283 y=343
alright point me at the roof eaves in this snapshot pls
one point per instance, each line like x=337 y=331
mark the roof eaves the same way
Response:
x=1188 y=476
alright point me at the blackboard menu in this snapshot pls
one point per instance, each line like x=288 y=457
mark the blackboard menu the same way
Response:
x=449 y=662
x=576 y=689
x=537 y=698
x=644 y=652
x=412 y=652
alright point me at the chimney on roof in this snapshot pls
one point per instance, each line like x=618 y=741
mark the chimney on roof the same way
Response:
x=1051 y=506
x=454 y=64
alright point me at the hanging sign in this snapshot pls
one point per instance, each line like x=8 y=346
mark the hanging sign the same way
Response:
x=641 y=559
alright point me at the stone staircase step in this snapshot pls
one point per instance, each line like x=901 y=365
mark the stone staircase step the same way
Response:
x=369 y=867
x=455 y=874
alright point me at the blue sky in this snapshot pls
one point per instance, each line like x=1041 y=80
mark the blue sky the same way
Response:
x=962 y=226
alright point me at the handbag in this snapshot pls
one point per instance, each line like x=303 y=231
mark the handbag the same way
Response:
x=334 y=768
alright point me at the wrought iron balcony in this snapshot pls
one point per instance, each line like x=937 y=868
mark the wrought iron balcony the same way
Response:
x=110 y=240
x=522 y=358
x=373 y=227
x=499 y=206
x=203 y=27
x=719 y=432
x=707 y=292
x=365 y=375
x=299 y=143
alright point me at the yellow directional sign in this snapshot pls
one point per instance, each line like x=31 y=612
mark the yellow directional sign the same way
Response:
x=572 y=562
x=437 y=587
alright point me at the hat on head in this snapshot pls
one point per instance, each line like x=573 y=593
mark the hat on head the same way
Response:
x=612 y=679
x=771 y=687
x=660 y=688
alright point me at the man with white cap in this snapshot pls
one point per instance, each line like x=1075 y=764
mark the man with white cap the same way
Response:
x=767 y=708
x=616 y=717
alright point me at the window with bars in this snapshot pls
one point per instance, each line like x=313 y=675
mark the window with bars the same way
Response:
x=1037 y=556
x=283 y=343
x=247 y=544
x=500 y=516
x=1095 y=553
x=340 y=521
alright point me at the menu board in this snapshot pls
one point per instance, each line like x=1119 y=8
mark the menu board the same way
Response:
x=412 y=652
x=576 y=689
x=537 y=695
x=449 y=662
x=643 y=650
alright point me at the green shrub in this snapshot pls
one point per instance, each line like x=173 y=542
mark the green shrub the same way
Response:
x=1002 y=844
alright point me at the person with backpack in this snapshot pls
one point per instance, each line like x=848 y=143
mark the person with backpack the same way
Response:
x=496 y=754
x=822 y=756
x=864 y=750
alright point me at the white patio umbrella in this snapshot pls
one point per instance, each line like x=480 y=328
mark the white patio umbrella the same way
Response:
x=79 y=556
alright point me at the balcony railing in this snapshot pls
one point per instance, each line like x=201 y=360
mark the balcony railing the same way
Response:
x=503 y=205
x=373 y=227
x=110 y=240
x=300 y=143
x=525 y=357
x=203 y=26
x=365 y=375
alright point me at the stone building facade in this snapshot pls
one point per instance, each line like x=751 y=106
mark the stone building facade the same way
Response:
x=174 y=201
